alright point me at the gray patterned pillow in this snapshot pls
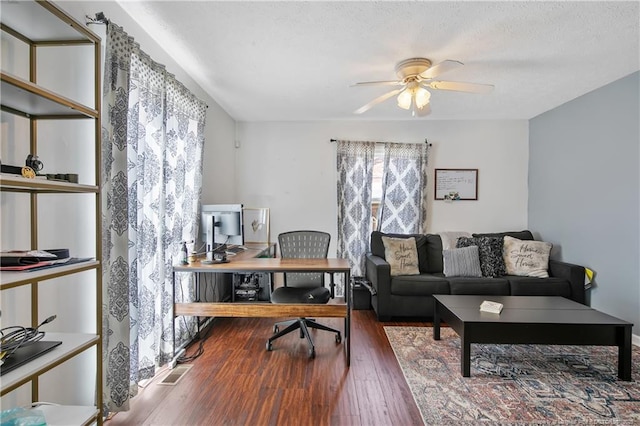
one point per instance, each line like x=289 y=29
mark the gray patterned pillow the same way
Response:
x=490 y=250
x=461 y=262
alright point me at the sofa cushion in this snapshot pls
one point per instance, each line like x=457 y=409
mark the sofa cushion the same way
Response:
x=377 y=247
x=532 y=286
x=521 y=235
x=433 y=252
x=419 y=285
x=402 y=255
x=472 y=285
x=490 y=251
x=462 y=262
x=526 y=258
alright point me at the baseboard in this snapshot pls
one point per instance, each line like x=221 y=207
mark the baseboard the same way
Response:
x=635 y=339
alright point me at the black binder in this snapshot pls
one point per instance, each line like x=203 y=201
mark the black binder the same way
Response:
x=25 y=354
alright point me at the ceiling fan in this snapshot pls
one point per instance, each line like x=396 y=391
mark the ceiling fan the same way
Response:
x=416 y=76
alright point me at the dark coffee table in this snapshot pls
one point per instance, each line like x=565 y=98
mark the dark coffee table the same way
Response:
x=544 y=320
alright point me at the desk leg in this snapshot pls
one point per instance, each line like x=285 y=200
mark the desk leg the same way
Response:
x=173 y=314
x=197 y=279
x=347 y=331
x=271 y=283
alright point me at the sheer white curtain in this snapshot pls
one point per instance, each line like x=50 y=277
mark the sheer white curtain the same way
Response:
x=403 y=207
x=355 y=174
x=152 y=143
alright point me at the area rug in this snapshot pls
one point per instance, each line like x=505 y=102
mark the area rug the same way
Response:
x=515 y=384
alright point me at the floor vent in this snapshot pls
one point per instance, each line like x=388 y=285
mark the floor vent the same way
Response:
x=175 y=375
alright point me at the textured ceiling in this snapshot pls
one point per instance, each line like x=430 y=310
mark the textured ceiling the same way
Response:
x=291 y=61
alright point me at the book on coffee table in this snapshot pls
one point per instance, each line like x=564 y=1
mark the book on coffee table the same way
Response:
x=492 y=307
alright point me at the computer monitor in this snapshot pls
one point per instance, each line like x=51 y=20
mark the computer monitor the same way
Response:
x=221 y=224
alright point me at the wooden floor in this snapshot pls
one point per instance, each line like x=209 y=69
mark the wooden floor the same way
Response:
x=237 y=382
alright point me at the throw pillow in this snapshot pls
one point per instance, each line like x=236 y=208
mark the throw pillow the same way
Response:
x=521 y=235
x=526 y=258
x=402 y=255
x=450 y=238
x=377 y=247
x=490 y=250
x=462 y=262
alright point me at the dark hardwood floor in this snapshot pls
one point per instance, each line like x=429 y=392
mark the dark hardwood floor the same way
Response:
x=237 y=382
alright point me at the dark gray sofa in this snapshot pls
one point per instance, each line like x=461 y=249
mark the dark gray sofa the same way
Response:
x=411 y=295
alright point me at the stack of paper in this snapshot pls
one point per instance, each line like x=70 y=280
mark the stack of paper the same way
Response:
x=492 y=307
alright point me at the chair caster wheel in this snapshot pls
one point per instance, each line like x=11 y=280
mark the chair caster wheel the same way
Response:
x=312 y=353
x=275 y=329
x=269 y=346
x=338 y=338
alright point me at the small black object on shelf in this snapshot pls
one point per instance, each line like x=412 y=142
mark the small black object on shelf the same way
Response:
x=33 y=162
x=361 y=293
x=14 y=170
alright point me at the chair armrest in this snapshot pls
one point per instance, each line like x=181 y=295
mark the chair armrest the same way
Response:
x=572 y=273
x=378 y=272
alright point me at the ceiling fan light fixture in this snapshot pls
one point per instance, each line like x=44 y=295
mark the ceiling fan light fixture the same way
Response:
x=405 y=99
x=416 y=79
x=413 y=95
x=422 y=97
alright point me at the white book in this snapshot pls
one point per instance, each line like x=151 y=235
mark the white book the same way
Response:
x=492 y=307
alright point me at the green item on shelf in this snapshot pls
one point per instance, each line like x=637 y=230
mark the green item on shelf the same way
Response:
x=22 y=417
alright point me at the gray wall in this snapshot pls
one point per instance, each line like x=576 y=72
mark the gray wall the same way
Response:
x=584 y=190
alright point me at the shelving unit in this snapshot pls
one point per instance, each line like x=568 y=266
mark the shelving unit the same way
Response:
x=37 y=24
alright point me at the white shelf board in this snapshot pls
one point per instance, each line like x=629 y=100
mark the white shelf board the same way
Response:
x=37 y=23
x=17 y=182
x=28 y=98
x=10 y=279
x=71 y=343
x=67 y=415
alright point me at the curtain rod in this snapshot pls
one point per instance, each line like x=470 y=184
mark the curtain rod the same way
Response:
x=425 y=141
x=101 y=19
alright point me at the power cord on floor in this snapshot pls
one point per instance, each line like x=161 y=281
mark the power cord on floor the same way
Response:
x=201 y=341
x=186 y=326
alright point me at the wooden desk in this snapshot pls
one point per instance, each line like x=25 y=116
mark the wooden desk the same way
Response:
x=244 y=263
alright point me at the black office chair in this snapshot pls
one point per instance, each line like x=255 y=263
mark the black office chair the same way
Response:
x=303 y=287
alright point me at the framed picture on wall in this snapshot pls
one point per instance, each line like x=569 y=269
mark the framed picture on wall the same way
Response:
x=456 y=184
x=255 y=225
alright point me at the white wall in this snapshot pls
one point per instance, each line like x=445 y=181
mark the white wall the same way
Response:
x=585 y=190
x=290 y=167
x=218 y=187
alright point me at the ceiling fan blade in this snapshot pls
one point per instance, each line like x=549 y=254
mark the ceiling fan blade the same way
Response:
x=459 y=86
x=379 y=83
x=377 y=100
x=440 y=68
x=418 y=112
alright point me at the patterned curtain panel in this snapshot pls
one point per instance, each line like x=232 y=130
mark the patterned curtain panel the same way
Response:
x=115 y=222
x=403 y=207
x=355 y=174
x=182 y=166
x=153 y=137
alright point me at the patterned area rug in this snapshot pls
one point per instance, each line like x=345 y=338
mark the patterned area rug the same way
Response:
x=515 y=384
